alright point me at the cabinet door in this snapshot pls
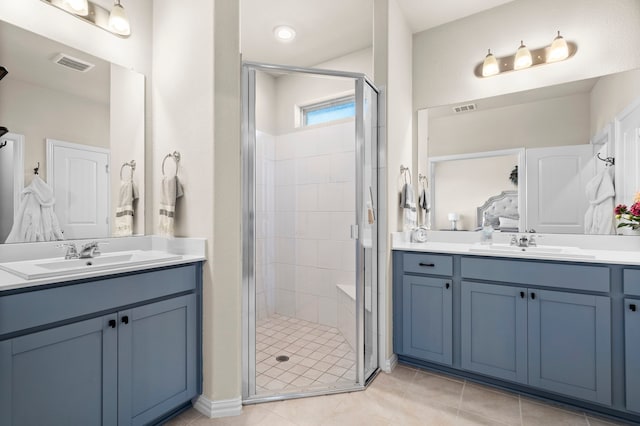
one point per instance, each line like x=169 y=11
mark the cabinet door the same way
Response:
x=632 y=353
x=427 y=315
x=570 y=344
x=494 y=330
x=157 y=359
x=62 y=376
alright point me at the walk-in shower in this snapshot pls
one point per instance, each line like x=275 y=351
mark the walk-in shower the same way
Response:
x=310 y=231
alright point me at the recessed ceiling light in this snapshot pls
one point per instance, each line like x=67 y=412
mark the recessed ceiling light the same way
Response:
x=284 y=33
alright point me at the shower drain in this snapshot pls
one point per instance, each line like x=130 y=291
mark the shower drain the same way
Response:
x=282 y=358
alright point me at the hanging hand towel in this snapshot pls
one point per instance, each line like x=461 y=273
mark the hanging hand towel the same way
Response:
x=171 y=190
x=124 y=211
x=408 y=205
x=599 y=218
x=423 y=204
x=36 y=220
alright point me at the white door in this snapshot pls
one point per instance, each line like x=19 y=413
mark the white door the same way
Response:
x=627 y=150
x=79 y=177
x=556 y=181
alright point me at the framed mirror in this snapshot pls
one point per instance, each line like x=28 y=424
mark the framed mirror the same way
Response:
x=53 y=92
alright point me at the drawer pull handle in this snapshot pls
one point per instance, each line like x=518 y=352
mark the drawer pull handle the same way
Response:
x=125 y=319
x=633 y=307
x=522 y=295
x=533 y=296
x=447 y=285
x=112 y=323
x=427 y=265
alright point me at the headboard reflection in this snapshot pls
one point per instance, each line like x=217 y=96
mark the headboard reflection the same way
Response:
x=503 y=205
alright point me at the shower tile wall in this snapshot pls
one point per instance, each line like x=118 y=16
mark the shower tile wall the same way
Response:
x=303 y=247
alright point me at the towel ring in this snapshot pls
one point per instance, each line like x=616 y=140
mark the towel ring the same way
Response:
x=131 y=164
x=176 y=157
x=404 y=170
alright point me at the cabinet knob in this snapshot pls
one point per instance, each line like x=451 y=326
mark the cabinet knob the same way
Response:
x=427 y=265
x=533 y=296
x=522 y=295
x=125 y=319
x=112 y=323
x=633 y=307
x=447 y=285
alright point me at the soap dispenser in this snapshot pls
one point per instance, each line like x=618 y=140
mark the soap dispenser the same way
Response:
x=487 y=231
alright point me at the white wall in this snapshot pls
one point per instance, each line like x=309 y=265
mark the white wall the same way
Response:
x=550 y=122
x=38 y=113
x=612 y=94
x=606 y=32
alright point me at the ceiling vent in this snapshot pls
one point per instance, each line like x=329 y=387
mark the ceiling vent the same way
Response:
x=464 y=108
x=73 y=63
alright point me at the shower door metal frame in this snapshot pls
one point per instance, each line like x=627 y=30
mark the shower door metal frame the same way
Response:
x=249 y=231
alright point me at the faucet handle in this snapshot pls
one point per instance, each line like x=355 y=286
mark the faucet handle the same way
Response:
x=514 y=240
x=72 y=250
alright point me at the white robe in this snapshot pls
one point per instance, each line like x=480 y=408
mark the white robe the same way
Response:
x=36 y=220
x=599 y=218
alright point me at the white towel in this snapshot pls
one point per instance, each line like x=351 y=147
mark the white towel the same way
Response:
x=599 y=218
x=124 y=211
x=423 y=204
x=170 y=191
x=408 y=205
x=36 y=220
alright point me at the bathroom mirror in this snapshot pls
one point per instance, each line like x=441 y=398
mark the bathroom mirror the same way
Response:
x=57 y=93
x=579 y=116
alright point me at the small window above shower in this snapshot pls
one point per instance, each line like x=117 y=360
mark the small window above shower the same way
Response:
x=327 y=111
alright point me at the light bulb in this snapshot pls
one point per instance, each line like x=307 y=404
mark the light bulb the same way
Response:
x=284 y=33
x=558 y=50
x=118 y=22
x=79 y=7
x=523 y=58
x=490 y=65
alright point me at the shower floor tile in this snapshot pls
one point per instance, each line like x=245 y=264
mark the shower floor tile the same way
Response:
x=318 y=355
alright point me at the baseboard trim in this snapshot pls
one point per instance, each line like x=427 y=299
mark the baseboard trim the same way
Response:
x=214 y=409
x=390 y=364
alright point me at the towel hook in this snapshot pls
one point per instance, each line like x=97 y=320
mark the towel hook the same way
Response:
x=132 y=165
x=404 y=170
x=609 y=160
x=176 y=157
x=422 y=178
x=3 y=144
x=37 y=168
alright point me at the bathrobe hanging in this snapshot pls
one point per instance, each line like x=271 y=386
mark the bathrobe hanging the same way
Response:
x=599 y=218
x=36 y=220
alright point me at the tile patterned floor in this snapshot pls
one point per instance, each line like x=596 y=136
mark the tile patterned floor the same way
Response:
x=404 y=397
x=319 y=356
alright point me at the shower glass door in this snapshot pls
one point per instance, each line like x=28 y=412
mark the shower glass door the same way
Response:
x=310 y=229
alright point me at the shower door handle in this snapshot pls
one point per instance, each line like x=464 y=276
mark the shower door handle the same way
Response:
x=354 y=232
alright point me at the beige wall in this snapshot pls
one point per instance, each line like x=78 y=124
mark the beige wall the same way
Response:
x=549 y=122
x=39 y=113
x=606 y=33
x=612 y=94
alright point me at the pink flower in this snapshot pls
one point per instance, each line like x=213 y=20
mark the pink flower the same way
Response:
x=620 y=209
x=635 y=209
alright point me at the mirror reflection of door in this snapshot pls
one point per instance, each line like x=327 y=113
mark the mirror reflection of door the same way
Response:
x=79 y=177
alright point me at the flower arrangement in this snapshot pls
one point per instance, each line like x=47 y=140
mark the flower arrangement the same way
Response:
x=630 y=215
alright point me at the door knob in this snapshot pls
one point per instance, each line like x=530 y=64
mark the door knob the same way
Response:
x=125 y=319
x=633 y=307
x=112 y=323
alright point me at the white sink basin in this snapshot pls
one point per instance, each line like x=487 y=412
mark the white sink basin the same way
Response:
x=538 y=251
x=45 y=268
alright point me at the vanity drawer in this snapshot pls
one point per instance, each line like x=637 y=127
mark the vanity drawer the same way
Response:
x=40 y=307
x=431 y=264
x=576 y=277
x=632 y=282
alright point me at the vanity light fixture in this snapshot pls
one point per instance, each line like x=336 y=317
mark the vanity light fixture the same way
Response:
x=284 y=33
x=114 y=21
x=559 y=50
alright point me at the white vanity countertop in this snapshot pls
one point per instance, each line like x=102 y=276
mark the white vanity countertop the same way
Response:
x=190 y=250
x=628 y=254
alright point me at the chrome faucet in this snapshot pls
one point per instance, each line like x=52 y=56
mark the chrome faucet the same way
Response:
x=72 y=250
x=523 y=241
x=90 y=250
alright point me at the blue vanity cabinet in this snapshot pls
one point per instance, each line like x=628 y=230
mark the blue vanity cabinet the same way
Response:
x=121 y=350
x=427 y=318
x=632 y=353
x=569 y=344
x=62 y=376
x=156 y=359
x=494 y=330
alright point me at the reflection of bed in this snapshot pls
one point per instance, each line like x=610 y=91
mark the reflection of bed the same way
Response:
x=501 y=208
